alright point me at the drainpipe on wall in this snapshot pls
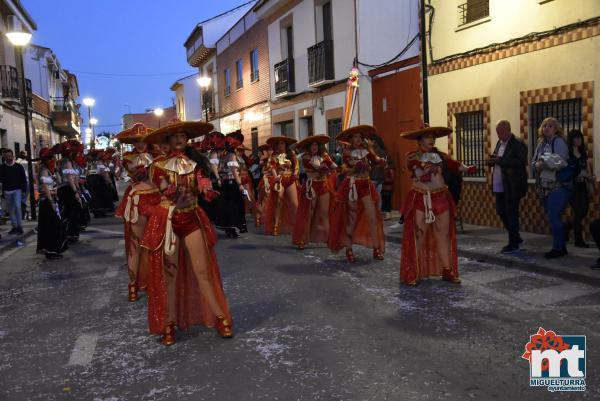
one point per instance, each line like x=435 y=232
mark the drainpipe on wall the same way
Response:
x=424 y=64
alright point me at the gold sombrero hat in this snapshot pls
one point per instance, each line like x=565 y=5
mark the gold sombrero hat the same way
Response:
x=274 y=139
x=192 y=129
x=133 y=134
x=306 y=142
x=436 y=132
x=367 y=131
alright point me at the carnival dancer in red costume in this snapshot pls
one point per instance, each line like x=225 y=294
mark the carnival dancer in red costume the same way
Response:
x=246 y=180
x=429 y=240
x=283 y=197
x=139 y=199
x=184 y=282
x=265 y=184
x=314 y=207
x=356 y=219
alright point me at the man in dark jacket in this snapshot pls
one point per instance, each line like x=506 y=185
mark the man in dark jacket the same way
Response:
x=14 y=184
x=509 y=181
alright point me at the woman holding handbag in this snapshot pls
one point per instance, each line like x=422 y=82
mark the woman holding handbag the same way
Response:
x=583 y=187
x=551 y=163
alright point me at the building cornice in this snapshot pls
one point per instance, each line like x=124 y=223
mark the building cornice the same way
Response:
x=518 y=46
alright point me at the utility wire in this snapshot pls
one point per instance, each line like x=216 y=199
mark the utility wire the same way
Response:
x=162 y=74
x=132 y=75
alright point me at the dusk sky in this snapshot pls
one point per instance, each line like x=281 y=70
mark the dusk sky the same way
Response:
x=134 y=37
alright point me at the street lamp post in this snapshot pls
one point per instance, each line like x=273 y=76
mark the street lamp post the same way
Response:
x=89 y=102
x=204 y=83
x=158 y=112
x=88 y=134
x=19 y=40
x=93 y=122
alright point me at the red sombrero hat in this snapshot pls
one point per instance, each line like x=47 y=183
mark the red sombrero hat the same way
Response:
x=133 y=134
x=272 y=141
x=367 y=131
x=46 y=153
x=192 y=129
x=436 y=132
x=306 y=142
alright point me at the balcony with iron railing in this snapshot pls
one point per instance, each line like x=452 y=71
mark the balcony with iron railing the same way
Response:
x=9 y=85
x=320 y=63
x=65 y=116
x=284 y=77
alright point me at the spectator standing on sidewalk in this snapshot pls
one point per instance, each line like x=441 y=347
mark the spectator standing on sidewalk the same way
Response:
x=387 y=189
x=14 y=183
x=509 y=181
x=583 y=187
x=22 y=160
x=553 y=186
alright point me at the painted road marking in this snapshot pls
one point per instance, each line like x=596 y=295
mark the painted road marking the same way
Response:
x=119 y=253
x=122 y=242
x=83 y=351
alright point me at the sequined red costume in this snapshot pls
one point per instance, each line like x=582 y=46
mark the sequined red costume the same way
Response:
x=138 y=200
x=287 y=169
x=167 y=225
x=309 y=225
x=415 y=265
x=348 y=205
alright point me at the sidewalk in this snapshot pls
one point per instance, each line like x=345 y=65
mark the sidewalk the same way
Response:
x=9 y=241
x=484 y=243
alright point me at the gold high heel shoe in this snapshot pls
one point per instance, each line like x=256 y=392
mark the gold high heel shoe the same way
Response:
x=223 y=327
x=133 y=293
x=168 y=337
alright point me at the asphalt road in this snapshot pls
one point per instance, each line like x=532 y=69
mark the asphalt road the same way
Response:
x=308 y=327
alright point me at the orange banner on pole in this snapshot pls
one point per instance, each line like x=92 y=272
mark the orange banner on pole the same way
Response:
x=351 y=89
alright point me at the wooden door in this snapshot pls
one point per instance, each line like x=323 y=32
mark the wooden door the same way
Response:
x=396 y=109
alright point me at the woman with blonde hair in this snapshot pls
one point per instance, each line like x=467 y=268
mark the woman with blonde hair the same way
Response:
x=554 y=180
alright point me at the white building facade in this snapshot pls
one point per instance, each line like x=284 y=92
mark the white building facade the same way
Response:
x=188 y=101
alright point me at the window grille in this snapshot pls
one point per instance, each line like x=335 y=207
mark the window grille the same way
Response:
x=470 y=137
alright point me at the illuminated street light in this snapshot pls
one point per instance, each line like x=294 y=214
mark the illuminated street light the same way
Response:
x=158 y=112
x=93 y=121
x=204 y=82
x=89 y=102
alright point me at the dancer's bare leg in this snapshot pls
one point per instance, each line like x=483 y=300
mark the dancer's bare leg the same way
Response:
x=370 y=212
x=198 y=255
x=137 y=232
x=322 y=212
x=442 y=242
x=170 y=268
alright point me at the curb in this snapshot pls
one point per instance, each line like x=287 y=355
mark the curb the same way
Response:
x=9 y=244
x=518 y=265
